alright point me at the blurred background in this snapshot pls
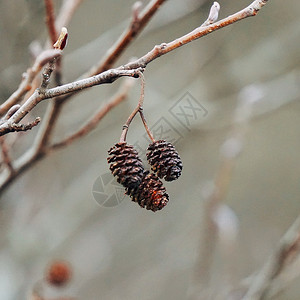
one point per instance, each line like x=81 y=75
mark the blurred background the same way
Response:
x=68 y=206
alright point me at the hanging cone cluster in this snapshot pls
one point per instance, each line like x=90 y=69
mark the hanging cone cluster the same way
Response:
x=144 y=187
x=164 y=160
x=126 y=165
x=151 y=193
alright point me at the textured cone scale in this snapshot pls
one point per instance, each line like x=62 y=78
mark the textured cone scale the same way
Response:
x=151 y=193
x=164 y=160
x=126 y=165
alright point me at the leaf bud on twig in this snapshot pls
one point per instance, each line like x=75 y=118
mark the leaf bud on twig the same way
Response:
x=62 y=39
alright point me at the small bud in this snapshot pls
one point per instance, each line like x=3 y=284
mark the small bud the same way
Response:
x=136 y=9
x=62 y=39
x=214 y=13
x=58 y=274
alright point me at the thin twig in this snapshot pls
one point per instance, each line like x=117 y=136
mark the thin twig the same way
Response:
x=285 y=253
x=137 y=24
x=13 y=127
x=5 y=155
x=197 y=33
x=136 y=110
x=39 y=95
x=11 y=124
x=120 y=96
x=60 y=45
x=63 y=19
x=28 y=77
x=141 y=111
x=50 y=20
x=66 y=12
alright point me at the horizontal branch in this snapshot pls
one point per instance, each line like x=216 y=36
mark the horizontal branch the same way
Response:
x=199 y=32
x=13 y=127
x=39 y=95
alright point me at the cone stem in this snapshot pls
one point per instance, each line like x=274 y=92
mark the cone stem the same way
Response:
x=139 y=109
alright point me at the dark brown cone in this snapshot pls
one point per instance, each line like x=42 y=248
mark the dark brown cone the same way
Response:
x=151 y=193
x=164 y=160
x=126 y=165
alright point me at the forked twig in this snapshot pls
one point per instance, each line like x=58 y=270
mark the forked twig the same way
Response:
x=135 y=111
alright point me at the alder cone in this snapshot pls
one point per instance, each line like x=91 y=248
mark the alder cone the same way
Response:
x=126 y=165
x=164 y=160
x=58 y=274
x=151 y=194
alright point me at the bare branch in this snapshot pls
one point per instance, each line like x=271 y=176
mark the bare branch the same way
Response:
x=12 y=127
x=60 y=45
x=137 y=24
x=67 y=10
x=199 y=32
x=285 y=253
x=39 y=95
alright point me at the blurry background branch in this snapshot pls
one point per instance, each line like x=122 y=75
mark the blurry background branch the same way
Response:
x=285 y=254
x=214 y=193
